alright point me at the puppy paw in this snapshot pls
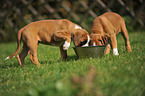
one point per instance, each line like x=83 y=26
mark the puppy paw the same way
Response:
x=66 y=45
x=115 y=54
x=115 y=51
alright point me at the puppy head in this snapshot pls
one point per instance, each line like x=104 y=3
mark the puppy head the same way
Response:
x=81 y=38
x=96 y=40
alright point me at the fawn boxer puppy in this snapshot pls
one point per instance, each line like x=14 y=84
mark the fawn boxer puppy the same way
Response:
x=50 y=32
x=107 y=26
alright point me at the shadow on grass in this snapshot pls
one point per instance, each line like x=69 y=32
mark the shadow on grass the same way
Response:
x=53 y=60
x=14 y=63
x=135 y=42
x=72 y=57
x=9 y=63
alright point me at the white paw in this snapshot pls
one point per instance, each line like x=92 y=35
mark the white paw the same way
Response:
x=115 y=51
x=66 y=45
x=116 y=54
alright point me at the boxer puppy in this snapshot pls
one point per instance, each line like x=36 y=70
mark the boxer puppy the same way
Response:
x=107 y=26
x=49 y=32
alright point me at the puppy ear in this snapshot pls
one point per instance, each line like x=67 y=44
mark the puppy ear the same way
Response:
x=93 y=37
x=76 y=38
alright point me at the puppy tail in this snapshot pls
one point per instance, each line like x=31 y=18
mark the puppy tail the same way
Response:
x=18 y=46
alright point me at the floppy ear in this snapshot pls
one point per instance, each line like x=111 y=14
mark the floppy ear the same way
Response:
x=93 y=40
x=80 y=36
x=93 y=37
x=76 y=38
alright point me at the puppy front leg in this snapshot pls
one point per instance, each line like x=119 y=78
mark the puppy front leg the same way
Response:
x=114 y=44
x=63 y=53
x=126 y=38
x=107 y=50
x=64 y=36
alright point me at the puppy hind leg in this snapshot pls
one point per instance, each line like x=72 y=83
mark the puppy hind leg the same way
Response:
x=31 y=58
x=33 y=53
x=125 y=36
x=22 y=55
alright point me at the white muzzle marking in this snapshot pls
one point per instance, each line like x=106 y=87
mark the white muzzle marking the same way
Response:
x=66 y=45
x=94 y=44
x=115 y=51
x=87 y=44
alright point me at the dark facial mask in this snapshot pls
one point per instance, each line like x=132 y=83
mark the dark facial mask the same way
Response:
x=82 y=43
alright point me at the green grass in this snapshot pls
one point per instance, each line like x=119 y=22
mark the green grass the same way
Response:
x=122 y=75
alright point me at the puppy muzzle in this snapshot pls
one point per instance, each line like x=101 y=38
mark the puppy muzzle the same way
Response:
x=87 y=44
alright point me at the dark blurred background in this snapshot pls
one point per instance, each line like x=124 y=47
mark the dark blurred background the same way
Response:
x=14 y=14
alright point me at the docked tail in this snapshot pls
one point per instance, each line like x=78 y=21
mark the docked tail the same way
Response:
x=18 y=47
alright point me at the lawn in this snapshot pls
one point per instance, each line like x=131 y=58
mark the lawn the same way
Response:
x=122 y=75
